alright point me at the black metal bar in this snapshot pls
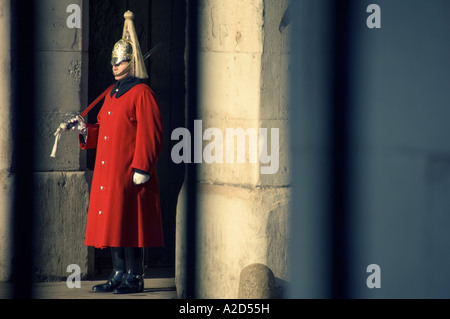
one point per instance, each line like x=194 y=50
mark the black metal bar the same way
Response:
x=23 y=109
x=340 y=135
x=191 y=182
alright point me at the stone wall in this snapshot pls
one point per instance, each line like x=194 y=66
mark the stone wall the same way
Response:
x=61 y=183
x=242 y=213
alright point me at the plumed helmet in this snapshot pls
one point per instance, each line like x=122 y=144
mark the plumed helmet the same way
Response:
x=123 y=51
x=128 y=48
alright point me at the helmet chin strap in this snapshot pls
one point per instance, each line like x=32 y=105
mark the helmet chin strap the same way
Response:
x=128 y=68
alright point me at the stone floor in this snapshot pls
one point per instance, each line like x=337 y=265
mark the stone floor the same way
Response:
x=160 y=286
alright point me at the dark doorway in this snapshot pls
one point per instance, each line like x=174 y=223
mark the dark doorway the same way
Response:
x=156 y=21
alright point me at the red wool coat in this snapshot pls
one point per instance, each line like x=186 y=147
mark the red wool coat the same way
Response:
x=128 y=135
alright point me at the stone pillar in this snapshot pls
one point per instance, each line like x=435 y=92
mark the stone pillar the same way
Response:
x=243 y=207
x=62 y=183
x=61 y=187
x=6 y=180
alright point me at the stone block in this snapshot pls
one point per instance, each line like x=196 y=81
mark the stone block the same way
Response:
x=228 y=169
x=5 y=88
x=274 y=86
x=256 y=281
x=6 y=131
x=61 y=201
x=264 y=151
x=276 y=160
x=53 y=32
x=61 y=211
x=231 y=26
x=59 y=85
x=230 y=85
x=276 y=26
x=6 y=194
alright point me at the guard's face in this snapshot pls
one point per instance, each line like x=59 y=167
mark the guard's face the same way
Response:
x=118 y=70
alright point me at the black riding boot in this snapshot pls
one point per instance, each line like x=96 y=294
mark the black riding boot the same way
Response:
x=118 y=272
x=134 y=278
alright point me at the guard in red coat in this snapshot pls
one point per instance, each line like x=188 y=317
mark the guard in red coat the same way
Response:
x=124 y=208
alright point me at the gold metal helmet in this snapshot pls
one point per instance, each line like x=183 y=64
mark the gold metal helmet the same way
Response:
x=123 y=51
x=128 y=49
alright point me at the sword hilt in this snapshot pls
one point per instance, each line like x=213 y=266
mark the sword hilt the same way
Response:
x=70 y=125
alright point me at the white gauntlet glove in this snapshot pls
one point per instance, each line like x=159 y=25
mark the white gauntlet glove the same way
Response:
x=139 y=178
